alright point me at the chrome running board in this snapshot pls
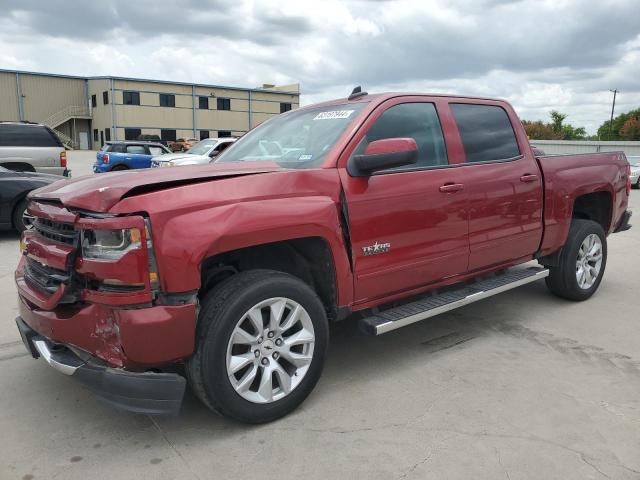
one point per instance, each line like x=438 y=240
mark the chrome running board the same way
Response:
x=431 y=305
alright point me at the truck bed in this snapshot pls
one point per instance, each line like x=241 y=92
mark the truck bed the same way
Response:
x=567 y=177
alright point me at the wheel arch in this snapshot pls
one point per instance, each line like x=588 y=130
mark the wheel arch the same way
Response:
x=596 y=206
x=308 y=258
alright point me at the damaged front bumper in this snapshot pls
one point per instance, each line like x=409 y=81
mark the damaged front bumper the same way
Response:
x=141 y=392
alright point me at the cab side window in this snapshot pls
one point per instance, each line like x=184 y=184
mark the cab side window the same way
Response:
x=411 y=120
x=486 y=132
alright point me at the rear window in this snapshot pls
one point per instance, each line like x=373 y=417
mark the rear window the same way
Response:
x=486 y=132
x=27 y=136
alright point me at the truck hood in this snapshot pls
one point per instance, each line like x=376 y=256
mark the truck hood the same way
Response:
x=99 y=193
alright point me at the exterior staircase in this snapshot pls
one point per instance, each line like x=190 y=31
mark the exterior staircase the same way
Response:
x=62 y=116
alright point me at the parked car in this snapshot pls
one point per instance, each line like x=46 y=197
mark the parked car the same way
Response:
x=149 y=138
x=368 y=205
x=14 y=187
x=635 y=171
x=182 y=144
x=31 y=147
x=127 y=155
x=205 y=151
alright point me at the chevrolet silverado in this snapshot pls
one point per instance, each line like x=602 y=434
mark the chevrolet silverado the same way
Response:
x=384 y=209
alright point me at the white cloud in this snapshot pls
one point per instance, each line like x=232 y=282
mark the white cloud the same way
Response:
x=540 y=55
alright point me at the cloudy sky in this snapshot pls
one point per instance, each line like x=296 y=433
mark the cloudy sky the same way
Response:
x=539 y=54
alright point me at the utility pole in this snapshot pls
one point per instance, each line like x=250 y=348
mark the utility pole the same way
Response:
x=613 y=107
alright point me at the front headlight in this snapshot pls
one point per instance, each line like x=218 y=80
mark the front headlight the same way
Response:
x=109 y=244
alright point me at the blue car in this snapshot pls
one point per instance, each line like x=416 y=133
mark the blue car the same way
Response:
x=127 y=155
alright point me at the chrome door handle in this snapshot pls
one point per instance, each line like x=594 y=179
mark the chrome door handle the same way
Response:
x=451 y=187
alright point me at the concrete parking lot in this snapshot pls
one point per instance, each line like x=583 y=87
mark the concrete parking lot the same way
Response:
x=520 y=386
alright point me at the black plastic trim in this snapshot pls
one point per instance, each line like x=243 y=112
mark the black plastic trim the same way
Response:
x=149 y=393
x=624 y=222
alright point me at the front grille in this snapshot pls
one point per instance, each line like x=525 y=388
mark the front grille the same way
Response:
x=43 y=277
x=57 y=231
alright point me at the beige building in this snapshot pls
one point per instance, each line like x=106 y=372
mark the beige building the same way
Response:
x=86 y=112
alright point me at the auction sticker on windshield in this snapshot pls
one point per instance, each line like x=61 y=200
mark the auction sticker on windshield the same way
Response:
x=333 y=115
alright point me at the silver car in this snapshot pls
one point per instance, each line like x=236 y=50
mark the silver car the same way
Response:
x=31 y=147
x=202 y=152
x=635 y=171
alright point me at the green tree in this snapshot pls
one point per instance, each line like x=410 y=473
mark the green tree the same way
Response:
x=631 y=129
x=539 y=131
x=555 y=130
x=605 y=133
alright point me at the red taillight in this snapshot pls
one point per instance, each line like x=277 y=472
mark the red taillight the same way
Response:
x=105 y=158
x=628 y=179
x=63 y=159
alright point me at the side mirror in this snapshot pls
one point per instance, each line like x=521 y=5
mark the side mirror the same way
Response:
x=214 y=154
x=383 y=154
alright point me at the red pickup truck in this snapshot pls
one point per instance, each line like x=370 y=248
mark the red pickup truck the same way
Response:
x=386 y=209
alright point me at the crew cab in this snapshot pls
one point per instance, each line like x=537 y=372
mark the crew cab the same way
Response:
x=127 y=155
x=384 y=209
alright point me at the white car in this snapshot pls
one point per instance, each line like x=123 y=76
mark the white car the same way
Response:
x=635 y=171
x=202 y=152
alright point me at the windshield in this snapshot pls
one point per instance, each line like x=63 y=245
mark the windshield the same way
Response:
x=201 y=148
x=299 y=139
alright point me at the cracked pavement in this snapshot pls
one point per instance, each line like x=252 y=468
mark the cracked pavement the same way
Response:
x=520 y=386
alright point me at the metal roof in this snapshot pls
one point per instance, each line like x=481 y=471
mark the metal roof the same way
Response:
x=148 y=80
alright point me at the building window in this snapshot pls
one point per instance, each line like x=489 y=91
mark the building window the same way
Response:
x=94 y=102
x=107 y=134
x=285 y=107
x=105 y=97
x=204 y=133
x=203 y=103
x=132 y=133
x=224 y=104
x=167 y=100
x=130 y=98
x=95 y=133
x=168 y=135
x=224 y=133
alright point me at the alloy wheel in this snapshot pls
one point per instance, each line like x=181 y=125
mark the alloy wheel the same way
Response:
x=589 y=261
x=270 y=350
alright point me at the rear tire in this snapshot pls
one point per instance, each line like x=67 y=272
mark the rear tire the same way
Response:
x=119 y=168
x=580 y=255
x=222 y=349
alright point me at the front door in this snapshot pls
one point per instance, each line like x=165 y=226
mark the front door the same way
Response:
x=408 y=225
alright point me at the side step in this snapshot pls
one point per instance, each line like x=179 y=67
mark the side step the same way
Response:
x=431 y=305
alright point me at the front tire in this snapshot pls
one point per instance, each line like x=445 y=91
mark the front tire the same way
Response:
x=581 y=263
x=261 y=342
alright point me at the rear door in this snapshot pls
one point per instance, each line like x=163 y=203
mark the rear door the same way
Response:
x=406 y=231
x=503 y=183
x=137 y=156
